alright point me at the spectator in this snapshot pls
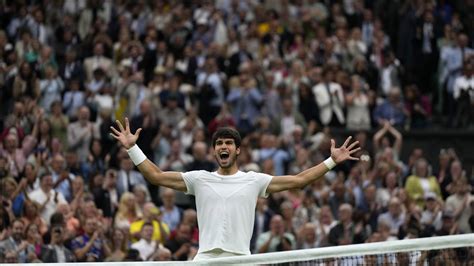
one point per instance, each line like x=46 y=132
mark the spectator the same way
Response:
x=290 y=119
x=46 y=196
x=26 y=83
x=171 y=213
x=71 y=69
x=180 y=245
x=73 y=99
x=421 y=181
x=463 y=94
x=35 y=242
x=177 y=159
x=307 y=212
x=187 y=126
x=346 y=232
x=210 y=91
x=200 y=158
x=394 y=217
x=31 y=215
x=98 y=61
x=459 y=203
x=391 y=110
x=330 y=100
x=152 y=216
x=381 y=141
x=269 y=149
x=127 y=177
x=118 y=245
x=17 y=242
x=106 y=197
x=141 y=195
x=90 y=246
x=370 y=207
x=51 y=88
x=145 y=246
x=358 y=101
x=418 y=107
x=276 y=239
x=171 y=114
x=61 y=177
x=448 y=224
x=59 y=123
x=81 y=133
x=340 y=195
x=15 y=154
x=245 y=100
x=307 y=237
x=263 y=215
x=127 y=212
x=223 y=118
x=56 y=251
x=71 y=223
x=431 y=216
x=451 y=59
x=162 y=254
x=12 y=193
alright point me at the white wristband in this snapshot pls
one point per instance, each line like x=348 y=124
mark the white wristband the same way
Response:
x=136 y=155
x=330 y=163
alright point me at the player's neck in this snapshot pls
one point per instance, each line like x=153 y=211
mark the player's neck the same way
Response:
x=228 y=171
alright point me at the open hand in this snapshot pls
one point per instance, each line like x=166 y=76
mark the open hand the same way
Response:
x=126 y=138
x=344 y=152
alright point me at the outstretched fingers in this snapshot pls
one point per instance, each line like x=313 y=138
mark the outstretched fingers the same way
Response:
x=137 y=133
x=353 y=158
x=120 y=125
x=115 y=131
x=347 y=141
x=115 y=136
x=127 y=124
x=354 y=150
x=353 y=145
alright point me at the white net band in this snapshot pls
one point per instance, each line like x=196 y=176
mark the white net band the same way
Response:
x=355 y=251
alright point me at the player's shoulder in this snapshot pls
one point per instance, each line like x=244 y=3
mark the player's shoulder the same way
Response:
x=254 y=174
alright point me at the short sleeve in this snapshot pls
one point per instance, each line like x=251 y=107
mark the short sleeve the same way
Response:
x=190 y=179
x=263 y=180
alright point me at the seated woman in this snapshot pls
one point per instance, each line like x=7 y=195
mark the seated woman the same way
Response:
x=421 y=182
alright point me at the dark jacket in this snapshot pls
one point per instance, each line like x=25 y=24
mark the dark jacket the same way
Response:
x=49 y=254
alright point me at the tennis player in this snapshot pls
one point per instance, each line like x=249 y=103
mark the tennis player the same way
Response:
x=226 y=198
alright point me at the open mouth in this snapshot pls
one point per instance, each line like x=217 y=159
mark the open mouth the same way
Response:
x=224 y=155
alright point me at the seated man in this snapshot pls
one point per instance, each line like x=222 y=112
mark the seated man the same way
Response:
x=276 y=239
x=89 y=246
x=180 y=245
x=146 y=246
x=152 y=215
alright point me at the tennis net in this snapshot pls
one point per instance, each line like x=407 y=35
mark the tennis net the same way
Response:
x=455 y=250
x=443 y=250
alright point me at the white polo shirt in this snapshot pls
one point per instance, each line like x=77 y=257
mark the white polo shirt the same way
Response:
x=226 y=207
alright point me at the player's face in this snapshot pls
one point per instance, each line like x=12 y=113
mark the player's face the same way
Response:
x=226 y=152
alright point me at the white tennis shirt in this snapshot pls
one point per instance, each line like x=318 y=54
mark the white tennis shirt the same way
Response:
x=226 y=207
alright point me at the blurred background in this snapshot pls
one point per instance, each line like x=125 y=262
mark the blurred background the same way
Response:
x=289 y=75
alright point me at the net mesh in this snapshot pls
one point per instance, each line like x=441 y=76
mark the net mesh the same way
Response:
x=444 y=250
x=445 y=257
x=456 y=250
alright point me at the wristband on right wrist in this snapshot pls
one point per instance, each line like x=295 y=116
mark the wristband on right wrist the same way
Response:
x=136 y=155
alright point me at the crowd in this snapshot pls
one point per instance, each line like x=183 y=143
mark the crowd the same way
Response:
x=285 y=73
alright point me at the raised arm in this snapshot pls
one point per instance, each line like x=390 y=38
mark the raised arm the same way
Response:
x=397 y=145
x=338 y=155
x=379 y=135
x=149 y=170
